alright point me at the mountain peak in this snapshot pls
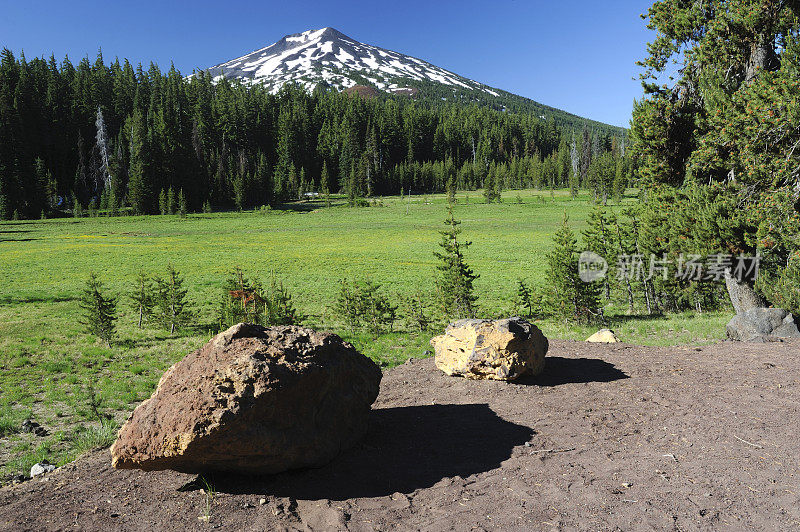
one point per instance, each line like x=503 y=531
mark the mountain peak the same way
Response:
x=326 y=33
x=330 y=58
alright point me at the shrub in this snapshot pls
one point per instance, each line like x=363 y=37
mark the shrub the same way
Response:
x=417 y=311
x=245 y=300
x=362 y=305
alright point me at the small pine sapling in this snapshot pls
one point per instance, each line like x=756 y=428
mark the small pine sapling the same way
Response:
x=172 y=309
x=143 y=297
x=99 y=310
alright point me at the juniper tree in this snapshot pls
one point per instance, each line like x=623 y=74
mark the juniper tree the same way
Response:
x=99 y=310
x=455 y=278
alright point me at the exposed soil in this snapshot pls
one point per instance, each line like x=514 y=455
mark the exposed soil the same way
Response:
x=611 y=437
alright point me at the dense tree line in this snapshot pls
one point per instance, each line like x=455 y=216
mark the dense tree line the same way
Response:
x=94 y=135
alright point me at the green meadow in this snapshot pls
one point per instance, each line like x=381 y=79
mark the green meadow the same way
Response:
x=80 y=389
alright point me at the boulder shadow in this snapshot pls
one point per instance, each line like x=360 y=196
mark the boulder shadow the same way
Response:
x=406 y=448
x=560 y=370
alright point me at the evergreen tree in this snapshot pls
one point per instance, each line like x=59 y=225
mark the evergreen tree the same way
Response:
x=570 y=297
x=143 y=297
x=280 y=309
x=455 y=278
x=163 y=206
x=324 y=189
x=182 y=207
x=172 y=204
x=141 y=189
x=172 y=309
x=99 y=310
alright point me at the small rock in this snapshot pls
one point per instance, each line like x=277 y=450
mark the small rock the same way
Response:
x=603 y=336
x=248 y=505
x=29 y=426
x=626 y=485
x=42 y=468
x=262 y=501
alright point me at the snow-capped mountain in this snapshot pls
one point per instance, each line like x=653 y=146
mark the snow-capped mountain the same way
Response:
x=329 y=57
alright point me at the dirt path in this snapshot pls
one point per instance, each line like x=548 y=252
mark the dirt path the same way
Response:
x=611 y=437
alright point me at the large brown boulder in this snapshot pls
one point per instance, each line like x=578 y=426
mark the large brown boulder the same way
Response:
x=485 y=349
x=254 y=400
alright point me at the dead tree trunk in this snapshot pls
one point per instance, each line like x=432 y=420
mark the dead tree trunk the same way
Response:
x=743 y=295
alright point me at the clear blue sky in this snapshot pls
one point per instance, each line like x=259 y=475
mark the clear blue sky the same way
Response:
x=575 y=55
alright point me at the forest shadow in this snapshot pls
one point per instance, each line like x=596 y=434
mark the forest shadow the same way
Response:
x=301 y=207
x=560 y=370
x=10 y=300
x=406 y=448
x=622 y=319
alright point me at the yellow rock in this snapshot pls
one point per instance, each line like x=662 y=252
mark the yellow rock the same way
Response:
x=486 y=349
x=603 y=336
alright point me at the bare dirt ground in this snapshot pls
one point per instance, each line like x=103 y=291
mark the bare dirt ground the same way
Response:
x=611 y=437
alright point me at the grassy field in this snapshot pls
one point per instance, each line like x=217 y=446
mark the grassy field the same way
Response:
x=67 y=381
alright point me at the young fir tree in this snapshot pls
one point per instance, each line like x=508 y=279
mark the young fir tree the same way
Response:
x=600 y=238
x=324 y=186
x=279 y=307
x=143 y=297
x=182 y=207
x=172 y=203
x=489 y=187
x=451 y=191
x=455 y=278
x=163 y=207
x=172 y=309
x=352 y=187
x=527 y=304
x=99 y=310
x=570 y=297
